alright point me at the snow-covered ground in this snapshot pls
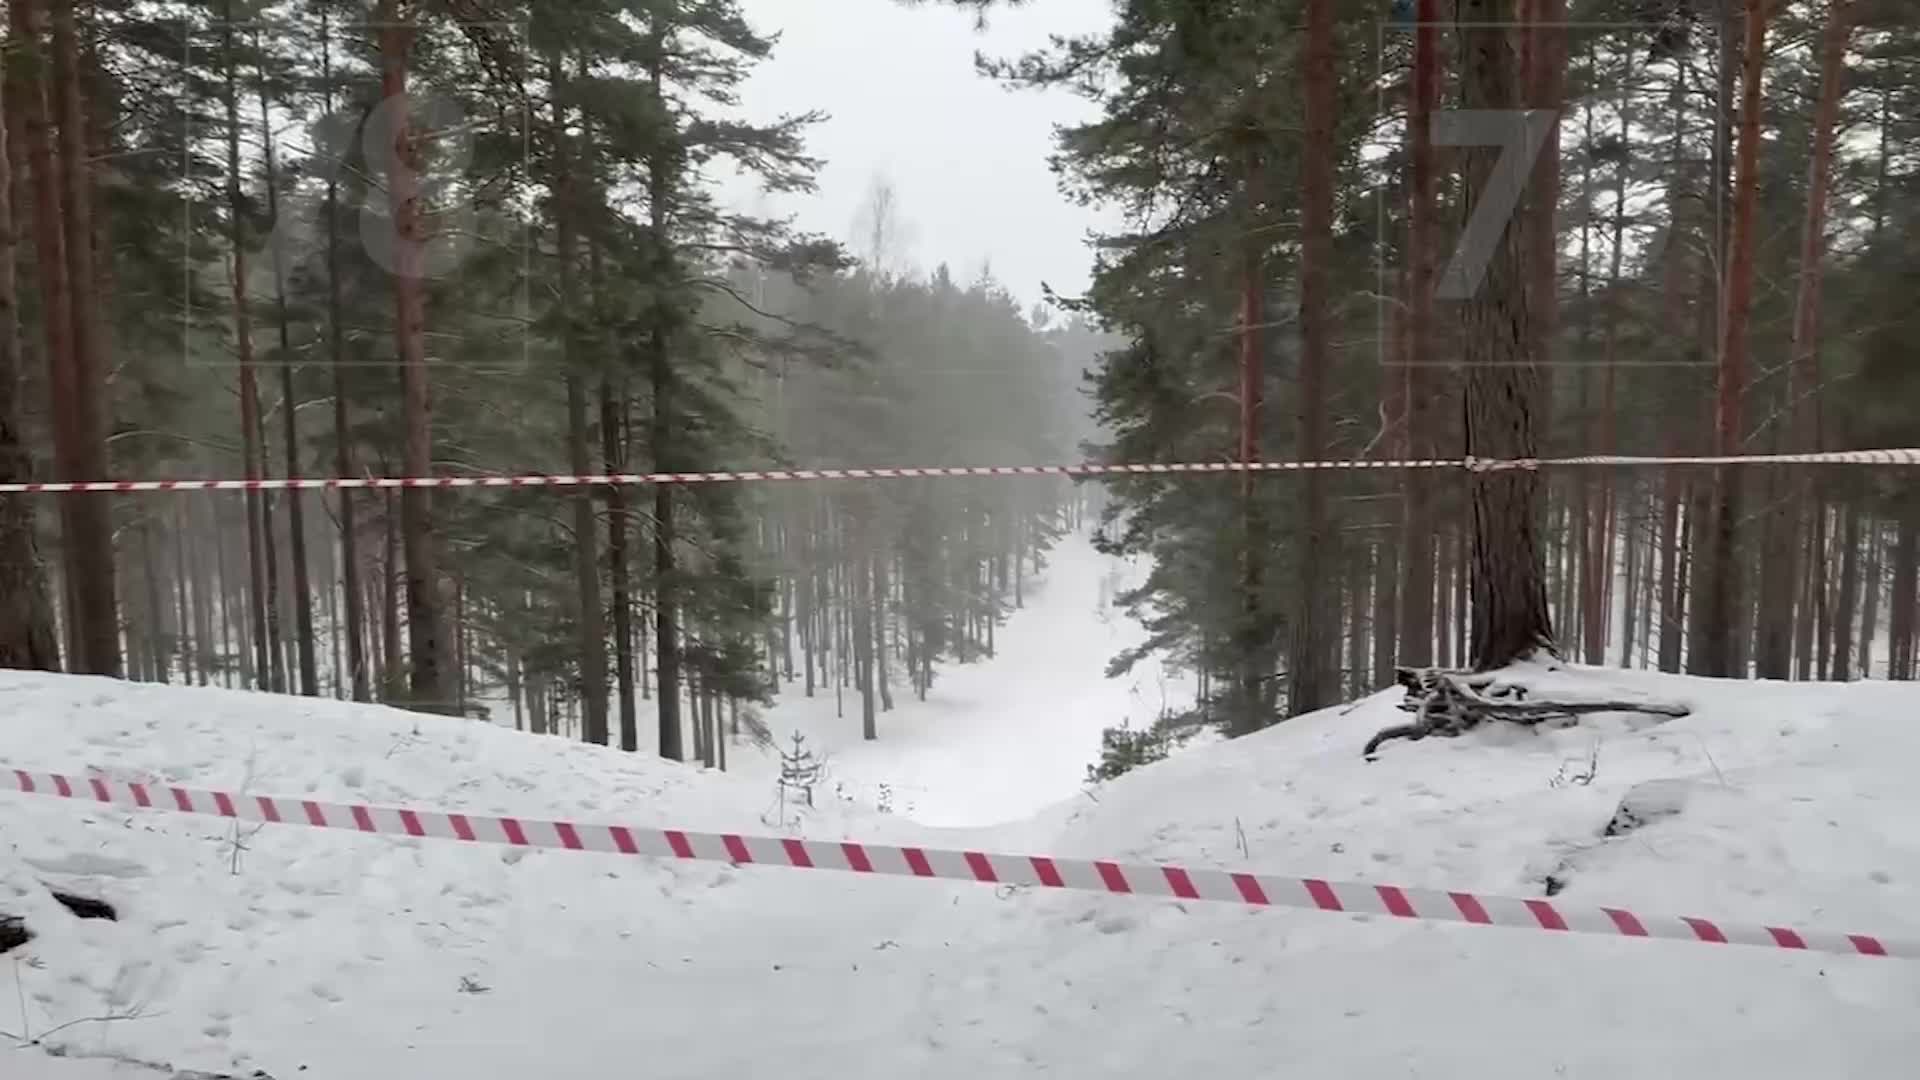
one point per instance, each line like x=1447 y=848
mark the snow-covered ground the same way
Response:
x=331 y=955
x=1003 y=738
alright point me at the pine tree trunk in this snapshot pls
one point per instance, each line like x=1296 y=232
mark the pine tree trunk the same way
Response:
x=350 y=567
x=1871 y=582
x=426 y=622
x=93 y=567
x=27 y=115
x=1723 y=597
x=1820 y=586
x=259 y=536
x=1445 y=550
x=1359 y=601
x=394 y=673
x=1906 y=553
x=614 y=455
x=881 y=589
x=27 y=638
x=1417 y=630
x=296 y=510
x=1510 y=619
x=1313 y=625
x=1809 y=569
x=1846 y=612
x=1630 y=615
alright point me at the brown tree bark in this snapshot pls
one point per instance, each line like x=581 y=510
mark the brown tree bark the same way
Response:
x=614 y=452
x=1724 y=584
x=426 y=621
x=94 y=568
x=259 y=531
x=296 y=510
x=1315 y=621
x=1509 y=599
x=1900 y=603
x=1845 y=610
x=350 y=568
x=661 y=379
x=393 y=667
x=1872 y=581
x=1417 y=630
x=27 y=115
x=566 y=210
x=27 y=638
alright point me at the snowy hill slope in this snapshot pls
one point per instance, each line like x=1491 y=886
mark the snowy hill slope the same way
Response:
x=324 y=954
x=1794 y=804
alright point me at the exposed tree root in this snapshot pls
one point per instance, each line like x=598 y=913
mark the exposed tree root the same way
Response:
x=1451 y=703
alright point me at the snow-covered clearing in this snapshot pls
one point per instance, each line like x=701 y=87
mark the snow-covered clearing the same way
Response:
x=330 y=955
x=1001 y=739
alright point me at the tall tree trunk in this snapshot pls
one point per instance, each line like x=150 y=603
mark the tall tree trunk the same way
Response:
x=296 y=510
x=1900 y=603
x=661 y=378
x=614 y=451
x=259 y=533
x=1315 y=622
x=1724 y=586
x=343 y=466
x=1416 y=590
x=1251 y=652
x=1629 y=618
x=27 y=638
x=1871 y=581
x=27 y=115
x=593 y=637
x=426 y=617
x=1844 y=616
x=1710 y=313
x=1597 y=605
x=1359 y=601
x=1510 y=619
x=394 y=668
x=92 y=516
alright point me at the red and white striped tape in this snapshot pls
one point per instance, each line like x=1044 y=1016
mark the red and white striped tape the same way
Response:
x=1087 y=875
x=320 y=483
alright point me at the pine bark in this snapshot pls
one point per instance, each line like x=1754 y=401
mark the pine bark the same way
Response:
x=1508 y=589
x=1416 y=590
x=1845 y=611
x=586 y=549
x=426 y=618
x=1724 y=585
x=661 y=379
x=296 y=509
x=1315 y=620
x=95 y=574
x=356 y=628
x=27 y=639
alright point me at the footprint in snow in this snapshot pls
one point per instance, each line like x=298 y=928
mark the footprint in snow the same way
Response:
x=326 y=993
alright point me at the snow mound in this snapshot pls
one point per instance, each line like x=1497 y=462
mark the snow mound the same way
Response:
x=327 y=954
x=1799 y=808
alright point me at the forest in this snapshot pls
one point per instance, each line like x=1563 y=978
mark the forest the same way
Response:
x=416 y=238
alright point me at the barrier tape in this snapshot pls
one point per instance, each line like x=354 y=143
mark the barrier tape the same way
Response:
x=1086 y=875
x=1469 y=464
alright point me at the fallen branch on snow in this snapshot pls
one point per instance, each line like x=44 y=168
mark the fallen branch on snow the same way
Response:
x=1452 y=703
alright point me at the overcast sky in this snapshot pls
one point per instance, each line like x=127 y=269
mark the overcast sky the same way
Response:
x=966 y=156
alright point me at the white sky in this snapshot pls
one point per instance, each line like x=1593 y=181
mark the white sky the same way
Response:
x=967 y=156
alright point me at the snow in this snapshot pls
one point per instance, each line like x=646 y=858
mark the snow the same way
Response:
x=999 y=740
x=327 y=954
